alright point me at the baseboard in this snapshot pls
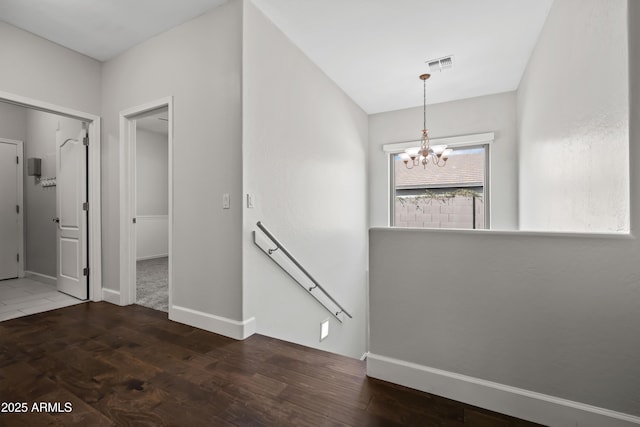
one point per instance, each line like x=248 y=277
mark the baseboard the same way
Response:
x=219 y=325
x=144 y=258
x=111 y=296
x=524 y=404
x=49 y=280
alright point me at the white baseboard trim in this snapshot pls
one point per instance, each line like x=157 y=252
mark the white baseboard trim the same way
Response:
x=49 y=280
x=143 y=258
x=111 y=296
x=524 y=404
x=220 y=325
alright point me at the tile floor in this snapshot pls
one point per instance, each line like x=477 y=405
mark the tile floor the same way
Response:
x=21 y=297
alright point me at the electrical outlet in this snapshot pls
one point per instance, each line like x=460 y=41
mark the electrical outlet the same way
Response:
x=226 y=201
x=250 y=201
x=324 y=329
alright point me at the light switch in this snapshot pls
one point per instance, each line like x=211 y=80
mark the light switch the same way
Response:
x=250 y=201
x=226 y=201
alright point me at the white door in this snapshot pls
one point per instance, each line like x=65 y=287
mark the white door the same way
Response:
x=71 y=182
x=10 y=233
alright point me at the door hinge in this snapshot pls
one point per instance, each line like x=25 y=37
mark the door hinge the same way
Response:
x=85 y=271
x=85 y=140
x=18 y=209
x=85 y=206
x=135 y=220
x=17 y=160
x=17 y=257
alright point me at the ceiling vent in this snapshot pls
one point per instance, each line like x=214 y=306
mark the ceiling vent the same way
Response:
x=440 y=64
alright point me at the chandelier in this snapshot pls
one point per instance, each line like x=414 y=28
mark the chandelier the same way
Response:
x=438 y=154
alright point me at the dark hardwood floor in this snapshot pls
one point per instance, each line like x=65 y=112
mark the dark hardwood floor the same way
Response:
x=131 y=366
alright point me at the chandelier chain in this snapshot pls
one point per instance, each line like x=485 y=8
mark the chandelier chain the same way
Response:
x=438 y=154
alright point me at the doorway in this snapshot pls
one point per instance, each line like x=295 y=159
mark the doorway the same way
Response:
x=146 y=205
x=44 y=199
x=61 y=234
x=151 y=225
x=44 y=211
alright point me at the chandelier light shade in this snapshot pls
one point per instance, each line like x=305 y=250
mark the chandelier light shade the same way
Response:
x=437 y=154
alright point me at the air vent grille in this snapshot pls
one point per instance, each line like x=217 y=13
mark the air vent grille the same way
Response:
x=440 y=64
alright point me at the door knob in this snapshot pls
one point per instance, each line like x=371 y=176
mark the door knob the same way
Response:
x=56 y=219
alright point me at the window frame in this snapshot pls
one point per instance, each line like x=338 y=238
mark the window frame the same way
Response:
x=468 y=141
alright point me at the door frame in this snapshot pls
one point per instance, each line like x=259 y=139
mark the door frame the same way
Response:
x=95 y=218
x=128 y=200
x=20 y=150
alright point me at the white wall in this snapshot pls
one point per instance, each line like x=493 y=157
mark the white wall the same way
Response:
x=573 y=111
x=152 y=236
x=305 y=160
x=152 y=173
x=152 y=194
x=550 y=313
x=199 y=64
x=45 y=71
x=493 y=113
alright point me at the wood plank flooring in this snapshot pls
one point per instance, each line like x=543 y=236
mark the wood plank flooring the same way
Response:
x=131 y=366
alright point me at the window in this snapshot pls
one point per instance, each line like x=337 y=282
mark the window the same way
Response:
x=454 y=196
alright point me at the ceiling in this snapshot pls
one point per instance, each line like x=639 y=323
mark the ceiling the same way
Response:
x=376 y=49
x=100 y=29
x=373 y=49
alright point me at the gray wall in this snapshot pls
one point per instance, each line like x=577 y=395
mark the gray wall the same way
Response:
x=551 y=313
x=13 y=122
x=152 y=173
x=493 y=113
x=305 y=161
x=573 y=121
x=199 y=64
x=40 y=202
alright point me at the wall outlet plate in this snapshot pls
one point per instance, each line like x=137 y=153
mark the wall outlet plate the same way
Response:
x=226 y=201
x=251 y=201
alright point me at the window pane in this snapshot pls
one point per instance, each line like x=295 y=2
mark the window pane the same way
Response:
x=452 y=196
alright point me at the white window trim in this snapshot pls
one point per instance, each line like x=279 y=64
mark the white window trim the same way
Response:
x=451 y=141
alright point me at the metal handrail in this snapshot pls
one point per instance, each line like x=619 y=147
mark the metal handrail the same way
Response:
x=297 y=264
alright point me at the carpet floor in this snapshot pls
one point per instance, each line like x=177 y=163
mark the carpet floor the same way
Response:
x=152 y=286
